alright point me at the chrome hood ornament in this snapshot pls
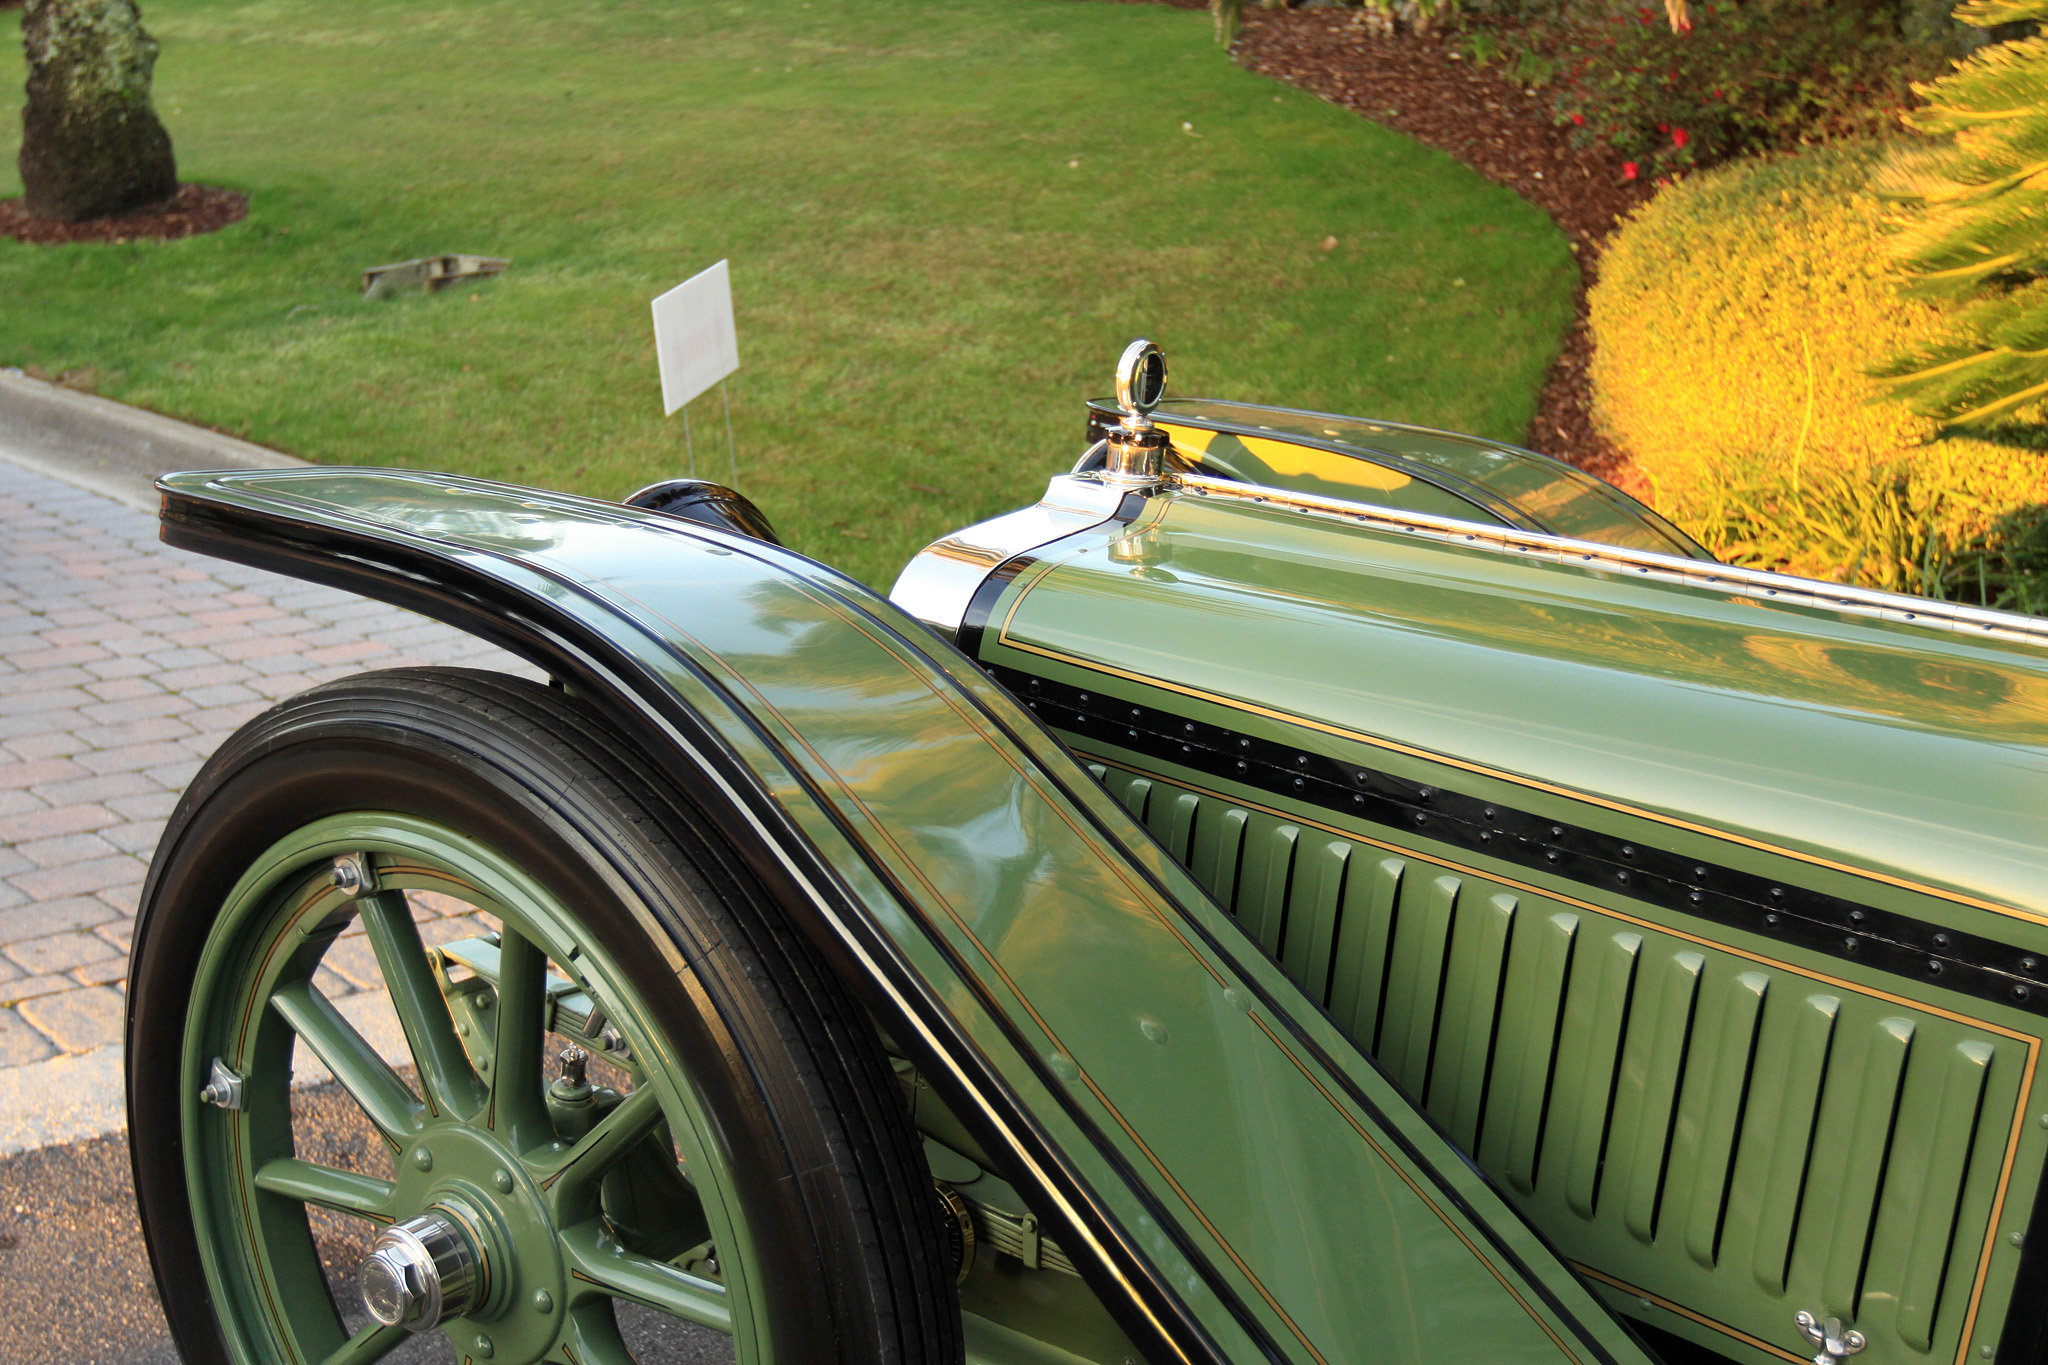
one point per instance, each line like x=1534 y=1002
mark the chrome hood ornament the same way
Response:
x=1136 y=458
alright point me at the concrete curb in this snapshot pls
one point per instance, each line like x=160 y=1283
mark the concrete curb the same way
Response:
x=110 y=448
x=62 y=1099
x=83 y=1095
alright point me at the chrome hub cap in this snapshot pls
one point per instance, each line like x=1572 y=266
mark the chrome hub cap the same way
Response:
x=421 y=1271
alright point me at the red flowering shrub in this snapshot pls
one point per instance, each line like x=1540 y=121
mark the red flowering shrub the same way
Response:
x=1736 y=78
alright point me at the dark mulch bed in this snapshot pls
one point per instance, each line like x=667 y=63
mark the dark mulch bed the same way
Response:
x=192 y=210
x=1416 y=84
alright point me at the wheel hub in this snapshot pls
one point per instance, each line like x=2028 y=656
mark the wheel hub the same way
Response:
x=481 y=1209
x=422 y=1271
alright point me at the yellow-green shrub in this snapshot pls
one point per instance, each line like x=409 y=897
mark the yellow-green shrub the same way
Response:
x=1733 y=321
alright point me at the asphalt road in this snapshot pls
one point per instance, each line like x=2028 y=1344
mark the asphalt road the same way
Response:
x=78 y=1285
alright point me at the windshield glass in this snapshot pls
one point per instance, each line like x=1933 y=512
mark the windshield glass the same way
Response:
x=1410 y=468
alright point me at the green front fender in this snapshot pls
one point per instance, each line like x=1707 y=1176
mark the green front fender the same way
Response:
x=1236 y=1180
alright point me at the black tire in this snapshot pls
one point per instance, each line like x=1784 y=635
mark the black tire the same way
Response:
x=829 y=1175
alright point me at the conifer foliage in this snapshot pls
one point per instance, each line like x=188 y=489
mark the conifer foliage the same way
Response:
x=1972 y=231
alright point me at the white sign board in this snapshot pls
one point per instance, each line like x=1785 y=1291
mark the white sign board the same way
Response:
x=694 y=338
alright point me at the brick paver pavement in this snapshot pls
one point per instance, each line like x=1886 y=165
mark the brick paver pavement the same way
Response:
x=123 y=664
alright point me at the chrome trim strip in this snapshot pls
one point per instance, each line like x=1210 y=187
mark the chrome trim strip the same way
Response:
x=938 y=585
x=1695 y=573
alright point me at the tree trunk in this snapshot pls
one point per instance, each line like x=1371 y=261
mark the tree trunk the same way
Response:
x=91 y=143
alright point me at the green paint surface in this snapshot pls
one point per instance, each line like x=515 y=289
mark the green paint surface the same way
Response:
x=945 y=218
x=1723 y=1122
x=1297 y=1179
x=1905 y=749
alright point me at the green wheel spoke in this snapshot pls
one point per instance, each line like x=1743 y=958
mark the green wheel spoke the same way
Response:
x=575 y=1179
x=445 y=1073
x=600 y=1265
x=367 y=1345
x=366 y=1076
x=591 y=1337
x=363 y=1195
x=518 y=1107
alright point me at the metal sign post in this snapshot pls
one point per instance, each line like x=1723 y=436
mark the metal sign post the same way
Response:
x=696 y=345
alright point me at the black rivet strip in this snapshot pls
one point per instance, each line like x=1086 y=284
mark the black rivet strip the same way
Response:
x=1820 y=923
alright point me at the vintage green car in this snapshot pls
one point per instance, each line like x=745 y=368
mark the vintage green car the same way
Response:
x=1308 y=891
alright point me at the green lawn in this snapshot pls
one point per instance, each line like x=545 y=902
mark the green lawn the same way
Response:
x=945 y=218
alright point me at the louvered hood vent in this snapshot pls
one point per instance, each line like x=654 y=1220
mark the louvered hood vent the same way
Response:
x=1718 y=1140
